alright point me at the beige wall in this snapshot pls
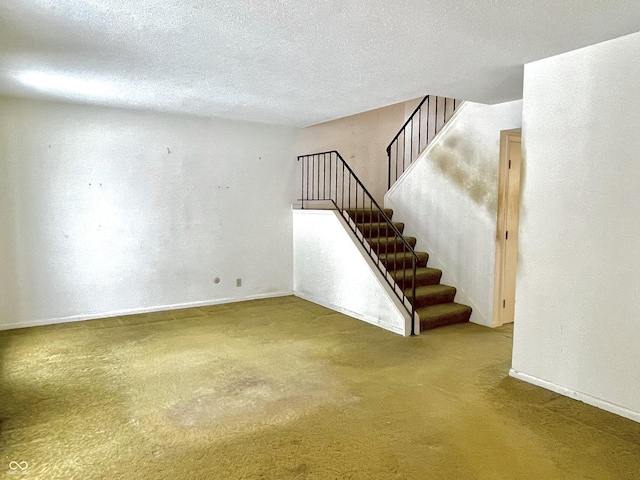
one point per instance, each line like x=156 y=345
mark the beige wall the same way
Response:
x=362 y=141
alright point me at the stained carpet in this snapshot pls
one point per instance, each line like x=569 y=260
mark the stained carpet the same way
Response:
x=285 y=389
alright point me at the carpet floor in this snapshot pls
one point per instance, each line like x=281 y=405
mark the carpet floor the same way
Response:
x=285 y=389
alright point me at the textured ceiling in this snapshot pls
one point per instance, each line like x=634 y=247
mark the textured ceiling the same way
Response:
x=295 y=62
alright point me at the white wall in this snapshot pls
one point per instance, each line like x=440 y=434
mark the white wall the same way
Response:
x=577 y=328
x=106 y=211
x=8 y=267
x=331 y=269
x=362 y=141
x=448 y=201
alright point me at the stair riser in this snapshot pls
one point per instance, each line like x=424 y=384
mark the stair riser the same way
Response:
x=390 y=248
x=366 y=216
x=435 y=299
x=374 y=231
x=420 y=281
x=444 y=320
x=403 y=263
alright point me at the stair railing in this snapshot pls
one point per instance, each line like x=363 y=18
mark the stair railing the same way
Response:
x=422 y=126
x=327 y=177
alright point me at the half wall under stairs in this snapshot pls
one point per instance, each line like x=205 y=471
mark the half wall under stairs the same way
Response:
x=331 y=268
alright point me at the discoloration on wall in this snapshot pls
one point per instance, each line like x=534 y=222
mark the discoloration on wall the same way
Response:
x=523 y=178
x=449 y=201
x=470 y=168
x=520 y=265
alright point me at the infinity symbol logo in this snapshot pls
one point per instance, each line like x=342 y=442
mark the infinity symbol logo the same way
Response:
x=18 y=465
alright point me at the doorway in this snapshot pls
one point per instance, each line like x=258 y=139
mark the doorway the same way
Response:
x=507 y=227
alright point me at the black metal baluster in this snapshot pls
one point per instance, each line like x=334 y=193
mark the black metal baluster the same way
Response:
x=390 y=161
x=343 y=183
x=413 y=296
x=324 y=177
x=411 y=148
x=364 y=200
x=330 y=173
x=395 y=250
x=419 y=127
x=318 y=159
x=302 y=181
x=404 y=285
x=444 y=115
x=349 y=199
x=337 y=182
x=435 y=132
x=307 y=192
x=428 y=118
x=371 y=221
x=311 y=180
x=320 y=172
x=396 y=169
x=404 y=153
x=356 y=214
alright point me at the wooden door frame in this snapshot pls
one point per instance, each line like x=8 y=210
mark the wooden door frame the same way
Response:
x=506 y=136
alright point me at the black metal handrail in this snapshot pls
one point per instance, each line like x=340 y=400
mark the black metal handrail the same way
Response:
x=417 y=132
x=327 y=177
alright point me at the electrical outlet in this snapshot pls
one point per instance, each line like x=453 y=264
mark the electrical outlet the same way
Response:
x=238 y=282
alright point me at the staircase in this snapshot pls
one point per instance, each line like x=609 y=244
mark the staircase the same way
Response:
x=433 y=301
x=326 y=177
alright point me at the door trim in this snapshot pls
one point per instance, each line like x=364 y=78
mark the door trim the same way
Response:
x=505 y=274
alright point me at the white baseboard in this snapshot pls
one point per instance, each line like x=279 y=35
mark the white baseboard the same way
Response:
x=583 y=397
x=358 y=316
x=132 y=311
